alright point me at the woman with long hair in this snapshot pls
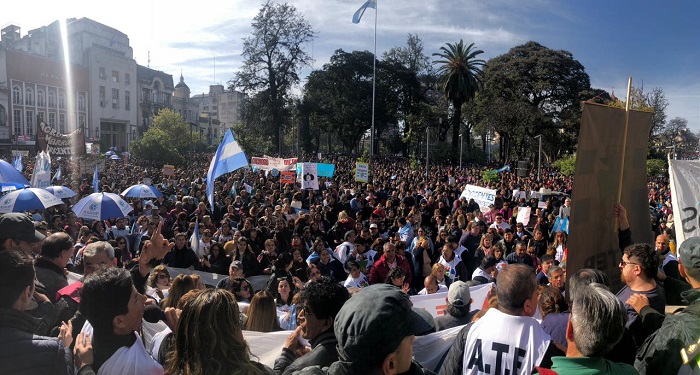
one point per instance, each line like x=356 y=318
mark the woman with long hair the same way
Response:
x=262 y=314
x=217 y=261
x=242 y=289
x=560 y=246
x=223 y=234
x=125 y=252
x=217 y=347
x=181 y=285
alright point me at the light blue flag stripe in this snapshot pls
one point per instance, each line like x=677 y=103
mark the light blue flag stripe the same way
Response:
x=229 y=157
x=95 y=181
x=358 y=15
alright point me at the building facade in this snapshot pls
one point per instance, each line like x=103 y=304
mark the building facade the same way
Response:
x=155 y=93
x=219 y=110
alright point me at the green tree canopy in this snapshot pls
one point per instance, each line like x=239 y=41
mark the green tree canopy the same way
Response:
x=533 y=90
x=168 y=140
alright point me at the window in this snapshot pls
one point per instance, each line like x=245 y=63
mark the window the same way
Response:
x=127 y=100
x=16 y=95
x=146 y=93
x=115 y=76
x=61 y=100
x=52 y=119
x=103 y=96
x=29 y=97
x=127 y=78
x=81 y=121
x=30 y=123
x=40 y=98
x=17 y=121
x=3 y=116
x=81 y=102
x=52 y=99
x=115 y=98
x=62 y=123
x=41 y=115
x=103 y=75
x=166 y=99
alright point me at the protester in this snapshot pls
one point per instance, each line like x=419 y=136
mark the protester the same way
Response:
x=22 y=351
x=216 y=347
x=320 y=302
x=375 y=330
x=508 y=330
x=596 y=324
x=17 y=232
x=457 y=312
x=56 y=252
x=114 y=309
x=262 y=314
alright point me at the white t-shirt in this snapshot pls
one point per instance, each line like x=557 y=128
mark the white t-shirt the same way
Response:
x=499 y=343
x=360 y=282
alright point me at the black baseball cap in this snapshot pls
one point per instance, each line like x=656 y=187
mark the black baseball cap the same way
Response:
x=19 y=227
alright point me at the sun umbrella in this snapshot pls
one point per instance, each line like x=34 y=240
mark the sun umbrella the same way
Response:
x=109 y=153
x=102 y=206
x=28 y=199
x=9 y=186
x=61 y=191
x=8 y=173
x=115 y=157
x=141 y=191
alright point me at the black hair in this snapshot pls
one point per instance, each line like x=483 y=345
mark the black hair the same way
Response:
x=16 y=274
x=324 y=297
x=105 y=295
x=647 y=257
x=55 y=244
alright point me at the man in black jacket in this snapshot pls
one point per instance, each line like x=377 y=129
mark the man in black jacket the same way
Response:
x=56 y=251
x=20 y=350
x=320 y=302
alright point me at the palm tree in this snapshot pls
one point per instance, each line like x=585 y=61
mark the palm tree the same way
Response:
x=459 y=79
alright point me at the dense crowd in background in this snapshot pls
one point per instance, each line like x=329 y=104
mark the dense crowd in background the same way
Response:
x=405 y=227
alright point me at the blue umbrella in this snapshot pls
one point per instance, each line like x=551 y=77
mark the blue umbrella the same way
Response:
x=102 y=206
x=8 y=173
x=28 y=199
x=9 y=186
x=141 y=191
x=61 y=191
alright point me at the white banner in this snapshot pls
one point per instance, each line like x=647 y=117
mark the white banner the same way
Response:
x=309 y=176
x=362 y=172
x=484 y=197
x=41 y=177
x=685 y=195
x=268 y=163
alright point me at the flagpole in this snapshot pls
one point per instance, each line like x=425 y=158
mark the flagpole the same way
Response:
x=624 y=148
x=374 y=75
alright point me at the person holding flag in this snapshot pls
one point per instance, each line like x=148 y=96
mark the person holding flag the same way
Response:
x=229 y=157
x=95 y=181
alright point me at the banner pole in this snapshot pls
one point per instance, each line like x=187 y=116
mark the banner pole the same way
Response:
x=624 y=148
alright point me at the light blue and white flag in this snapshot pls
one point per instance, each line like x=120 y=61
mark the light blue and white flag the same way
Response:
x=194 y=239
x=57 y=175
x=17 y=162
x=229 y=157
x=95 y=181
x=41 y=177
x=358 y=15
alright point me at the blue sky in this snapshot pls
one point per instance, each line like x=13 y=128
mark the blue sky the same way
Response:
x=657 y=43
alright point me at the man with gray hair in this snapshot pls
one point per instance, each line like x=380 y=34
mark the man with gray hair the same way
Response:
x=596 y=324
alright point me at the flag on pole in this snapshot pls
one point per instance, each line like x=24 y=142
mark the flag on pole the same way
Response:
x=229 y=157
x=194 y=239
x=17 y=162
x=57 y=175
x=41 y=176
x=95 y=181
x=358 y=15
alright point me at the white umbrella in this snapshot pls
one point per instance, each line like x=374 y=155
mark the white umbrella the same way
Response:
x=141 y=191
x=115 y=157
x=61 y=191
x=102 y=206
x=28 y=199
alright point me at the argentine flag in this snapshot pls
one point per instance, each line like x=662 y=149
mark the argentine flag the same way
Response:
x=95 y=181
x=194 y=239
x=358 y=15
x=58 y=174
x=17 y=162
x=229 y=157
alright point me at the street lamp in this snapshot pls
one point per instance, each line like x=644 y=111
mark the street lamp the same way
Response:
x=461 y=144
x=539 y=156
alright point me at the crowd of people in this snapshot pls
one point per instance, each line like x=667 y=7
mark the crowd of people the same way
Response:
x=403 y=233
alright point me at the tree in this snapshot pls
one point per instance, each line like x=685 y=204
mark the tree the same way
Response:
x=533 y=90
x=411 y=56
x=273 y=57
x=677 y=135
x=168 y=140
x=459 y=79
x=338 y=98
